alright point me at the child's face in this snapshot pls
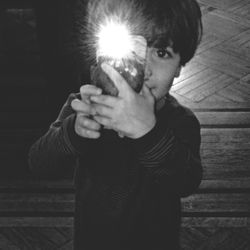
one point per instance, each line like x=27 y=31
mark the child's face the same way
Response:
x=162 y=66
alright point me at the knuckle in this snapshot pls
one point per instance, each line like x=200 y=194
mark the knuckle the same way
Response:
x=84 y=87
x=99 y=110
x=86 y=132
x=85 y=123
x=75 y=103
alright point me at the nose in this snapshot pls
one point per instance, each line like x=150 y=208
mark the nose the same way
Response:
x=148 y=70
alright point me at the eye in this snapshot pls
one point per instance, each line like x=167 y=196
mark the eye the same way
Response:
x=163 y=53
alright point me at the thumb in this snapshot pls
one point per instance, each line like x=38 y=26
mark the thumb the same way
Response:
x=119 y=82
x=146 y=92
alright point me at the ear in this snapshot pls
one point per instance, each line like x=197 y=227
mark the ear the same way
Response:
x=178 y=71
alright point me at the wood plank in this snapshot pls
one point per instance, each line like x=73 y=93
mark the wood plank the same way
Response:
x=190 y=69
x=224 y=62
x=36 y=184
x=227 y=184
x=241 y=10
x=237 y=92
x=41 y=222
x=222 y=4
x=226 y=136
x=26 y=238
x=208 y=41
x=67 y=185
x=214 y=102
x=223 y=25
x=225 y=154
x=238 y=46
x=196 y=203
x=214 y=85
x=245 y=79
x=221 y=167
x=68 y=222
x=194 y=81
x=231 y=15
x=36 y=202
x=224 y=119
x=7 y=244
x=69 y=245
x=216 y=238
x=217 y=203
x=50 y=234
x=215 y=222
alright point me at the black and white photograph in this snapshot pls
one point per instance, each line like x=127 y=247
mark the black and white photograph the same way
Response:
x=125 y=125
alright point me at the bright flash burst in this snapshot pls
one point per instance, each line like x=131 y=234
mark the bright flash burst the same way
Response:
x=114 y=40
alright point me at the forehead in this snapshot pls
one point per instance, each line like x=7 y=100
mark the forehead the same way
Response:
x=159 y=35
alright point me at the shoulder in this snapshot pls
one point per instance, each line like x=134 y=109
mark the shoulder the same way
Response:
x=66 y=110
x=178 y=115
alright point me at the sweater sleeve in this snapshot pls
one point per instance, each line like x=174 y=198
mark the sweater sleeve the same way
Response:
x=171 y=155
x=56 y=152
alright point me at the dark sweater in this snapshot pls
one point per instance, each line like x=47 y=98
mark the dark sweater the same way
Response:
x=127 y=190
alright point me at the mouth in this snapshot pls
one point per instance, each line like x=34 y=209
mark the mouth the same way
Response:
x=152 y=90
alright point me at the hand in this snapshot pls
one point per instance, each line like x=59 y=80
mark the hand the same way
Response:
x=85 y=126
x=130 y=114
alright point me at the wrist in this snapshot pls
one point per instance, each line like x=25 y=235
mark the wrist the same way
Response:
x=145 y=128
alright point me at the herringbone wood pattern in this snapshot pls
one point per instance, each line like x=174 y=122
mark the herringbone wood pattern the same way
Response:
x=219 y=75
x=215 y=84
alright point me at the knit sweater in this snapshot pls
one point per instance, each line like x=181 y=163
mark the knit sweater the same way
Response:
x=127 y=190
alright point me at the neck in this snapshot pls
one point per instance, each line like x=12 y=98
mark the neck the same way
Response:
x=160 y=103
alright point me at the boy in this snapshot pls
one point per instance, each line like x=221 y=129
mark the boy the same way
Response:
x=135 y=154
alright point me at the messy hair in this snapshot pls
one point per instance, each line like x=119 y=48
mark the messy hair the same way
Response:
x=175 y=23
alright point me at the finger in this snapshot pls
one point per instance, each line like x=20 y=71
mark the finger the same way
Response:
x=146 y=92
x=87 y=133
x=88 y=123
x=102 y=110
x=88 y=90
x=106 y=122
x=79 y=106
x=107 y=100
x=121 y=135
x=117 y=79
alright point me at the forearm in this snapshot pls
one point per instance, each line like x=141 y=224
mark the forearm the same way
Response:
x=170 y=157
x=53 y=153
x=181 y=172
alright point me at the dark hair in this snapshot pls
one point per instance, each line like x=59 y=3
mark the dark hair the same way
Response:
x=162 y=22
x=176 y=23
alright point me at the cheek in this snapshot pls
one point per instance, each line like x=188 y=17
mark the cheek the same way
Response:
x=163 y=83
x=165 y=79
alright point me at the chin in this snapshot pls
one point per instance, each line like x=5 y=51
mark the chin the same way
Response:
x=157 y=95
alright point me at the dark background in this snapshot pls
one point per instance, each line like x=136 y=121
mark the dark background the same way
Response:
x=41 y=64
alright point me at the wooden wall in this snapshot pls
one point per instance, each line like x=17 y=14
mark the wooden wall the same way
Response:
x=38 y=214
